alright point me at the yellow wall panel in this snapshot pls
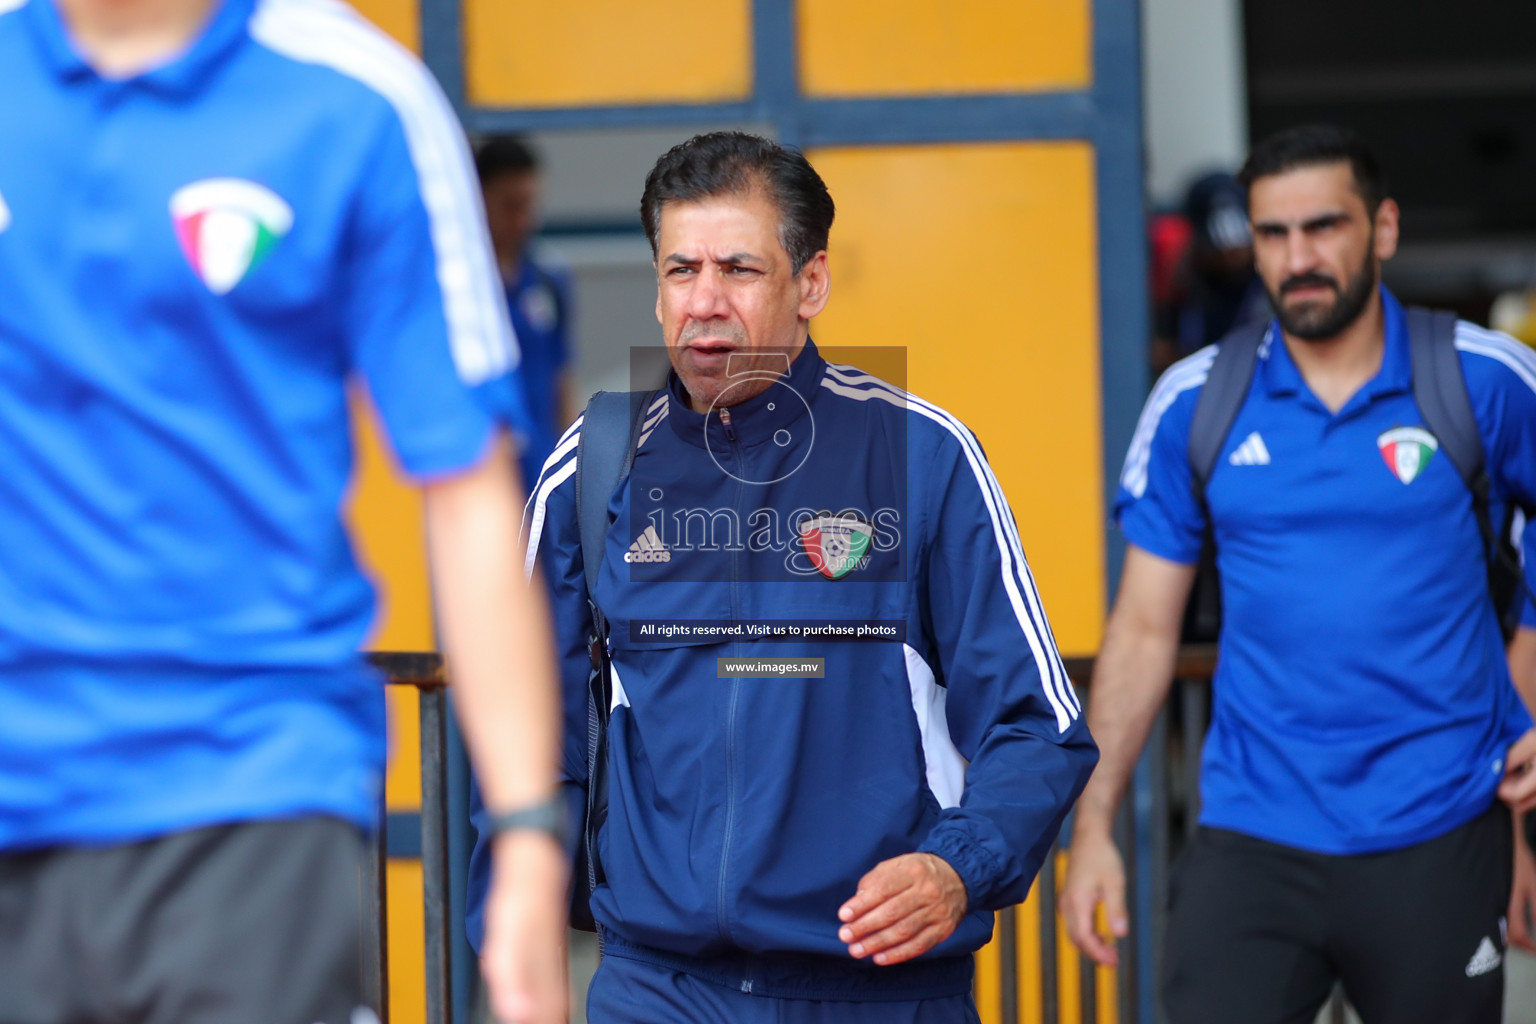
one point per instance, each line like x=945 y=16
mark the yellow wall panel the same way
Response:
x=406 y=940
x=880 y=48
x=1106 y=996
x=400 y=18
x=987 y=985
x=1031 y=994
x=600 y=52
x=402 y=783
x=384 y=515
x=981 y=260
x=1069 y=979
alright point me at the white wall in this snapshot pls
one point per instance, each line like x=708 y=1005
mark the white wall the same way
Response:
x=1195 y=96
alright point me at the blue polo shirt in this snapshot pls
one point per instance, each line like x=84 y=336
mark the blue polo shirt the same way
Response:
x=1362 y=697
x=194 y=263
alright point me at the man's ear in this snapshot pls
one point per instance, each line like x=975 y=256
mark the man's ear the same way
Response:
x=1387 y=224
x=658 y=291
x=815 y=285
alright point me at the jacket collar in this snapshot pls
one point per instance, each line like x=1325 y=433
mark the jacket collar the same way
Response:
x=757 y=420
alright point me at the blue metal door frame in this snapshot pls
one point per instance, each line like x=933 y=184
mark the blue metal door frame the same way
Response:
x=1107 y=115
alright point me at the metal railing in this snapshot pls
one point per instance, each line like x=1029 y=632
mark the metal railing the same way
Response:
x=425 y=673
x=1161 y=794
x=1142 y=830
x=1157 y=817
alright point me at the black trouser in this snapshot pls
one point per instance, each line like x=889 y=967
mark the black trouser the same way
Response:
x=257 y=923
x=1258 y=933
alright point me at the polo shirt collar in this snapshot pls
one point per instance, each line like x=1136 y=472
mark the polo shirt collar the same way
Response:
x=1281 y=377
x=758 y=419
x=224 y=30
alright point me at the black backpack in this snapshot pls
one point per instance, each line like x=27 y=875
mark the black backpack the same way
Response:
x=1441 y=394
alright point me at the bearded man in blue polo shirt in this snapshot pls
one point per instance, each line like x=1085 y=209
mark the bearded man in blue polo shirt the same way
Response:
x=214 y=214
x=1363 y=714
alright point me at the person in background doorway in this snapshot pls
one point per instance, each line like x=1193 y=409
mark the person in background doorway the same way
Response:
x=1214 y=289
x=539 y=301
x=538 y=295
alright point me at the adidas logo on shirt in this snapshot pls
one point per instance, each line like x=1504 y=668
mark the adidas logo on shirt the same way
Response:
x=1251 y=452
x=1486 y=959
x=648 y=548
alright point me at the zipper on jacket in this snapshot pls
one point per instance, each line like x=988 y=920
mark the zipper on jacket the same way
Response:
x=730 y=715
x=730 y=807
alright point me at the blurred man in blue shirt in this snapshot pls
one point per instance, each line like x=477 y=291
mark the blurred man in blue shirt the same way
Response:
x=215 y=216
x=1215 y=287
x=538 y=295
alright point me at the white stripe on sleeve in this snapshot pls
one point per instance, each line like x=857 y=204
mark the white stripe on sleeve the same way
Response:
x=1501 y=347
x=330 y=34
x=1018 y=581
x=1187 y=373
x=533 y=523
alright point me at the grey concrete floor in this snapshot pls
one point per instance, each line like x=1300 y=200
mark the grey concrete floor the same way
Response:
x=1520 y=988
x=583 y=965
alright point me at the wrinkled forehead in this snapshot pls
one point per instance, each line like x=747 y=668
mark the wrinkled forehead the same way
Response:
x=729 y=222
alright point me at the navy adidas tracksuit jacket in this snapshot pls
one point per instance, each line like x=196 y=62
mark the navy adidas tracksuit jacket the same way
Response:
x=742 y=812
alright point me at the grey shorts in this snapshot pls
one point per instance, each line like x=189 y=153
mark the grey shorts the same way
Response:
x=253 y=923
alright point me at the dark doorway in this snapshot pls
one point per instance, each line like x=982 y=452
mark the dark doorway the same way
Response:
x=1446 y=94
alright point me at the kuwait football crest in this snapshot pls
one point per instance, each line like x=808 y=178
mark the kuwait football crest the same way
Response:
x=1407 y=451
x=226 y=227
x=836 y=543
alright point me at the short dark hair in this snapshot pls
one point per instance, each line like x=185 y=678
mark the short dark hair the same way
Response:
x=504 y=154
x=1313 y=144
x=734 y=163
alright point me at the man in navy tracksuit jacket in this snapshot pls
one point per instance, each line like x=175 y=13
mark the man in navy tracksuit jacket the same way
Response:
x=826 y=848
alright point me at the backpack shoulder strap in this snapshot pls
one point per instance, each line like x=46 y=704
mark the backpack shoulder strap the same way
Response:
x=605 y=451
x=1440 y=389
x=1441 y=393
x=1225 y=389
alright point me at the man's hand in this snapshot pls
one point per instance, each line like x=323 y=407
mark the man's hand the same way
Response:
x=1518 y=789
x=1522 y=896
x=1130 y=681
x=1095 y=874
x=524 y=961
x=904 y=907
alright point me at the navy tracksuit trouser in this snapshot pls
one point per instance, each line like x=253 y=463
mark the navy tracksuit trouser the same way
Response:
x=628 y=991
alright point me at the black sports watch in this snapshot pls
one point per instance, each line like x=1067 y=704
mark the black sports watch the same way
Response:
x=549 y=817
